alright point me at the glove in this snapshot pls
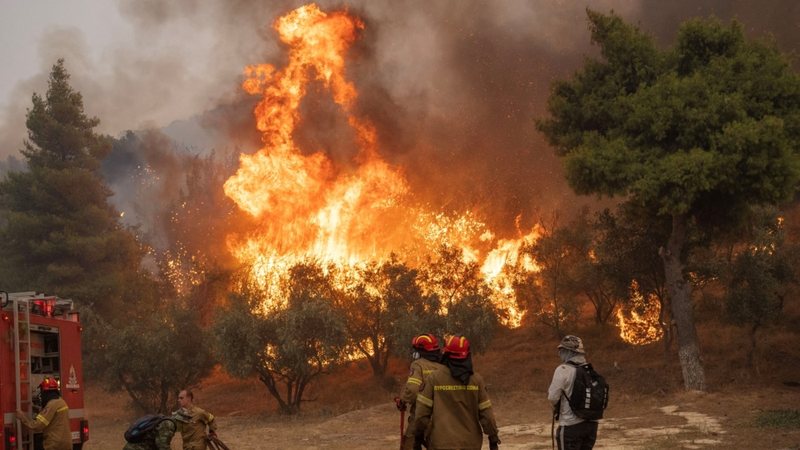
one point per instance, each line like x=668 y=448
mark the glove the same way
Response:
x=494 y=442
x=401 y=405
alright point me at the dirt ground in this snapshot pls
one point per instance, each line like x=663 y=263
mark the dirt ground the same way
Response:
x=686 y=420
x=649 y=409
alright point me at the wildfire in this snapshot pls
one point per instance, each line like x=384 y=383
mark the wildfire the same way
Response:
x=306 y=207
x=638 y=323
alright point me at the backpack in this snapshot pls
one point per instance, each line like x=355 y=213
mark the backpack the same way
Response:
x=142 y=427
x=589 y=392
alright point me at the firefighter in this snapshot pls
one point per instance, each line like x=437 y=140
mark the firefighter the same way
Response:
x=425 y=354
x=193 y=432
x=53 y=420
x=160 y=437
x=454 y=402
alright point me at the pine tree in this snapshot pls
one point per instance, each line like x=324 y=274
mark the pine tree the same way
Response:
x=700 y=132
x=59 y=233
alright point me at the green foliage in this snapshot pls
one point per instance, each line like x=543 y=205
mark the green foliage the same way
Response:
x=779 y=418
x=59 y=233
x=383 y=309
x=761 y=274
x=628 y=241
x=60 y=134
x=593 y=272
x=715 y=117
x=713 y=122
x=557 y=252
x=158 y=351
x=287 y=345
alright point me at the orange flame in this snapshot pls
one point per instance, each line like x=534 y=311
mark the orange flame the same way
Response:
x=304 y=206
x=638 y=324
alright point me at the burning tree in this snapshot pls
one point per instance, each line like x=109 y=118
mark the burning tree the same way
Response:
x=464 y=297
x=627 y=248
x=304 y=204
x=712 y=124
x=638 y=319
x=383 y=308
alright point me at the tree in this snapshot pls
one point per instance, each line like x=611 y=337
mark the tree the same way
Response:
x=556 y=255
x=383 y=310
x=590 y=271
x=160 y=350
x=711 y=124
x=465 y=299
x=761 y=276
x=288 y=345
x=627 y=249
x=59 y=233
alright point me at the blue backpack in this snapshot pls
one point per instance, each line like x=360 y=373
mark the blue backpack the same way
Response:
x=142 y=426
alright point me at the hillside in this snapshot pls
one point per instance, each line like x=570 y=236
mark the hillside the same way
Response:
x=649 y=409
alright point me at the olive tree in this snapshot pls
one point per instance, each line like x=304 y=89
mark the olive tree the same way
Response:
x=287 y=342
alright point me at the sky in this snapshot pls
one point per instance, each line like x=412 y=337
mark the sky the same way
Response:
x=24 y=24
x=453 y=86
x=133 y=71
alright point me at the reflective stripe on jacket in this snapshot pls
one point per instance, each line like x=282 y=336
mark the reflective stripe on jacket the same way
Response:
x=457 y=412
x=53 y=422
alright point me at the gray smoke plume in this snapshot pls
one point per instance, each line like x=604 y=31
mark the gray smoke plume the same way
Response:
x=453 y=87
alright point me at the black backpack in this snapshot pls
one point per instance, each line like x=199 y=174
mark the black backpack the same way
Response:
x=589 y=393
x=139 y=430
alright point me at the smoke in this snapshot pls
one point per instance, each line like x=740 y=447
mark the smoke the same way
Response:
x=453 y=87
x=141 y=168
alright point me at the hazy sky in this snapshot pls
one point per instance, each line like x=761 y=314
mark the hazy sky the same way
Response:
x=453 y=86
x=25 y=23
x=133 y=71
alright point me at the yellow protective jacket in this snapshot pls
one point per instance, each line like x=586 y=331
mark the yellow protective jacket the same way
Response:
x=457 y=412
x=421 y=369
x=194 y=432
x=53 y=422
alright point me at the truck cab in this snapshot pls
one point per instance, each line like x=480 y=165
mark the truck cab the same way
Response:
x=40 y=336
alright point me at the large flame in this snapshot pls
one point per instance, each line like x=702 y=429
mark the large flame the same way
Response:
x=307 y=208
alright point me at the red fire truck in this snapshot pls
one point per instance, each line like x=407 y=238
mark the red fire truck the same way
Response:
x=40 y=336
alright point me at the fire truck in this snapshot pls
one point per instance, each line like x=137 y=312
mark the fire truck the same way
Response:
x=40 y=336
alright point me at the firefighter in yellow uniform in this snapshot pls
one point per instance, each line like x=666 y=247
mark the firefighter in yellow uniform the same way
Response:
x=455 y=403
x=193 y=432
x=53 y=420
x=426 y=355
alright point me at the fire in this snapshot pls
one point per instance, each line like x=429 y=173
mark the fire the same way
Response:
x=305 y=207
x=638 y=324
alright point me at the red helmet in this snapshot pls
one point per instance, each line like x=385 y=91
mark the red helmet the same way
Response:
x=48 y=384
x=456 y=347
x=426 y=342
